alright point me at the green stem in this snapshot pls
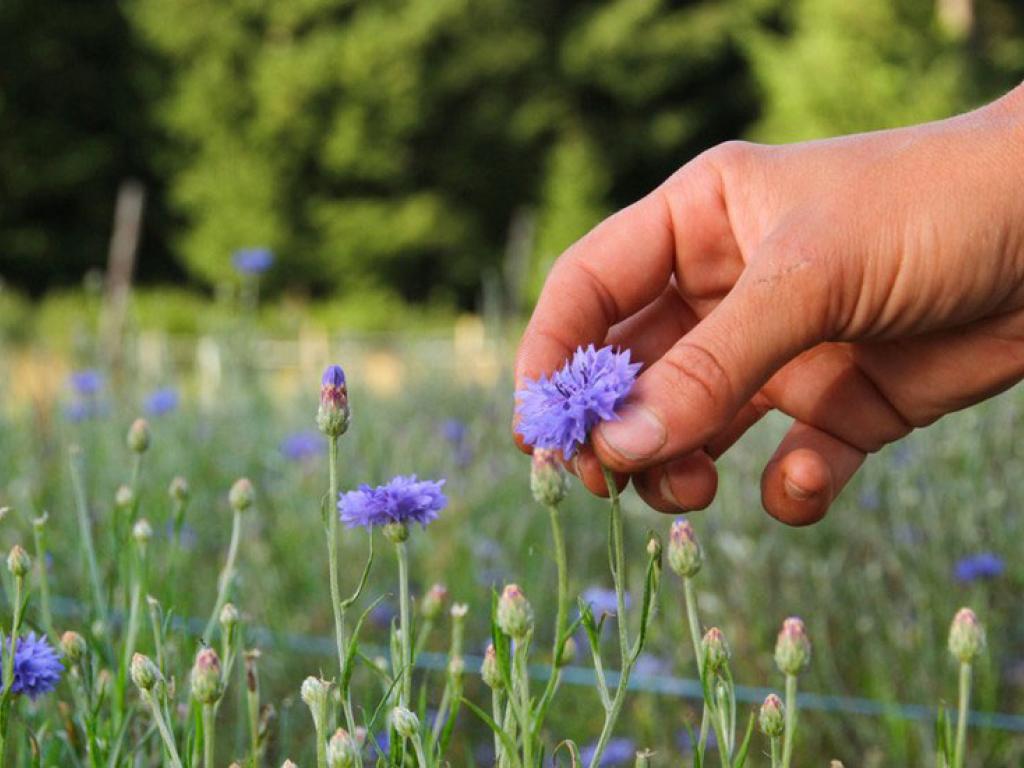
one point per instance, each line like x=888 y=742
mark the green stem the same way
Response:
x=253 y=702
x=227 y=575
x=561 y=615
x=332 y=564
x=496 y=714
x=39 y=535
x=788 y=736
x=960 y=752
x=522 y=685
x=776 y=760
x=209 y=734
x=85 y=531
x=8 y=665
x=417 y=745
x=404 y=629
x=161 y=725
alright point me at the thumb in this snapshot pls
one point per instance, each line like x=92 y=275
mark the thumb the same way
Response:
x=773 y=312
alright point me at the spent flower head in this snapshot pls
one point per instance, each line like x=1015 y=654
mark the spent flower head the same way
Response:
x=333 y=416
x=559 y=411
x=402 y=500
x=966 y=636
x=124 y=497
x=142 y=532
x=793 y=647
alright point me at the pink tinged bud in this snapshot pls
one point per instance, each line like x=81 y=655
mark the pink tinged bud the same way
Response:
x=342 y=751
x=515 y=615
x=548 y=480
x=489 y=669
x=793 y=647
x=73 y=646
x=18 y=562
x=966 y=636
x=715 y=649
x=333 y=416
x=138 y=436
x=241 y=495
x=434 y=601
x=685 y=555
x=772 y=717
x=206 y=682
x=144 y=672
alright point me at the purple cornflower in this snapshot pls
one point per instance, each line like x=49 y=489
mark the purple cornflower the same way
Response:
x=303 y=446
x=984 y=565
x=618 y=751
x=37 y=666
x=253 y=261
x=559 y=412
x=403 y=499
x=161 y=402
x=86 y=382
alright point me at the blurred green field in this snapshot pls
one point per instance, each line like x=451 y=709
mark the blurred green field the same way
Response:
x=874 y=581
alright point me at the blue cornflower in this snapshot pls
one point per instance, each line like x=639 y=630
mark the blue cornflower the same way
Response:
x=618 y=751
x=454 y=431
x=984 y=565
x=86 y=382
x=302 y=446
x=403 y=499
x=559 y=412
x=37 y=667
x=253 y=261
x=161 y=401
x=602 y=601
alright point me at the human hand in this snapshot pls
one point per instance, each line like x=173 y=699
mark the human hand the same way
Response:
x=865 y=285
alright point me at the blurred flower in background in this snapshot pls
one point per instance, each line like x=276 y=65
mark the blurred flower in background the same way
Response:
x=619 y=751
x=252 y=261
x=303 y=446
x=161 y=402
x=984 y=565
x=86 y=382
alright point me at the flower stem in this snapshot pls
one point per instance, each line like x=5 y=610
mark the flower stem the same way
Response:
x=405 y=689
x=332 y=564
x=522 y=690
x=85 y=531
x=209 y=734
x=227 y=575
x=960 y=751
x=788 y=736
x=8 y=663
x=417 y=745
x=161 y=725
x=690 y=599
x=39 y=535
x=496 y=714
x=561 y=614
x=776 y=760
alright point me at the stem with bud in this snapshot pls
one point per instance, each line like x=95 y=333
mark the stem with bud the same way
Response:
x=788 y=736
x=405 y=663
x=960 y=751
x=332 y=564
x=227 y=575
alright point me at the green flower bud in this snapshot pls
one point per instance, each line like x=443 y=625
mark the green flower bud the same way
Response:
x=124 y=497
x=142 y=532
x=316 y=693
x=228 y=617
x=715 y=649
x=179 y=490
x=568 y=652
x=685 y=555
x=18 y=562
x=433 y=601
x=241 y=495
x=342 y=751
x=548 y=480
x=966 y=636
x=772 y=717
x=489 y=669
x=654 y=547
x=205 y=678
x=144 y=672
x=73 y=646
x=138 y=436
x=793 y=647
x=405 y=723
x=515 y=615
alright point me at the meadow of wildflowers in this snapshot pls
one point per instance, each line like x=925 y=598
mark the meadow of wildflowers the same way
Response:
x=341 y=578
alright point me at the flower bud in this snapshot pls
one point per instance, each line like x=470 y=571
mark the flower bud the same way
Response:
x=459 y=611
x=316 y=693
x=342 y=751
x=643 y=759
x=179 y=490
x=405 y=723
x=144 y=672
x=489 y=669
x=39 y=523
x=772 y=717
x=715 y=649
x=548 y=479
x=396 y=533
x=18 y=562
x=333 y=416
x=966 y=636
x=124 y=497
x=241 y=495
x=515 y=615
x=138 y=436
x=568 y=652
x=206 y=683
x=142 y=532
x=654 y=547
x=793 y=647
x=685 y=555
x=73 y=646
x=433 y=601
x=228 y=617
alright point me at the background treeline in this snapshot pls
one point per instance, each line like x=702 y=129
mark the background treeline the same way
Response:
x=429 y=148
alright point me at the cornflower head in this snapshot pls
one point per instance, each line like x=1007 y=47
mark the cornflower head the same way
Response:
x=560 y=410
x=332 y=418
x=302 y=446
x=252 y=261
x=37 y=666
x=793 y=647
x=400 y=501
x=984 y=565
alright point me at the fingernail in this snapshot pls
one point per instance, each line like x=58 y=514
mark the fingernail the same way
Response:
x=794 y=491
x=638 y=434
x=665 y=489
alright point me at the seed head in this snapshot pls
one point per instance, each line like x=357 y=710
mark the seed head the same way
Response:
x=342 y=751
x=772 y=717
x=73 y=646
x=241 y=495
x=138 y=436
x=515 y=615
x=206 y=682
x=144 y=672
x=548 y=479
x=405 y=723
x=489 y=669
x=715 y=649
x=333 y=416
x=433 y=601
x=793 y=647
x=685 y=555
x=966 y=636
x=18 y=562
